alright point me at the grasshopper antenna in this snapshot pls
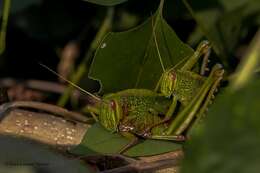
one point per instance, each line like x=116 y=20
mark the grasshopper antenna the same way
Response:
x=71 y=83
x=157 y=47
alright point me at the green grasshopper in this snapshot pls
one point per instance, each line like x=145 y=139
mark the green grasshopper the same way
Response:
x=152 y=115
x=133 y=113
x=194 y=91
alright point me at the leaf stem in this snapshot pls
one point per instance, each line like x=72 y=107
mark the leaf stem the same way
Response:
x=161 y=6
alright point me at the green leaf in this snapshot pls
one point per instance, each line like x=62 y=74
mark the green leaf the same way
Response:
x=152 y=147
x=98 y=140
x=106 y=2
x=130 y=59
x=230 y=138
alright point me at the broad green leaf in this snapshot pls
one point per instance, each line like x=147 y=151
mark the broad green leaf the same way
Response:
x=106 y=2
x=98 y=140
x=152 y=147
x=130 y=59
x=230 y=138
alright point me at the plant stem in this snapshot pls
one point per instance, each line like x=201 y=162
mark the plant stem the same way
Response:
x=82 y=69
x=161 y=6
x=249 y=64
x=6 y=8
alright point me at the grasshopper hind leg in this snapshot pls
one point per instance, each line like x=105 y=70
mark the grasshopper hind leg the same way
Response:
x=198 y=104
x=200 y=115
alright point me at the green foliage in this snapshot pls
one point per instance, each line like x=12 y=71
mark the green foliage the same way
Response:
x=98 y=140
x=229 y=141
x=106 y=2
x=131 y=59
x=224 y=23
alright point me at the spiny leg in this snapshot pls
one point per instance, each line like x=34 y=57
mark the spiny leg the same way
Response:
x=183 y=119
x=210 y=96
x=206 y=103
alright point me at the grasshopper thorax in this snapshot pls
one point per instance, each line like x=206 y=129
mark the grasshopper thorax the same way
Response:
x=168 y=82
x=110 y=114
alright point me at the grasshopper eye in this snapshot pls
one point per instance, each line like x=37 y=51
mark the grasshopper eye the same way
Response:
x=172 y=75
x=113 y=104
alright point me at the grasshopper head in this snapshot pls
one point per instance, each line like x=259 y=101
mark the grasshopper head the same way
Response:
x=168 y=82
x=110 y=115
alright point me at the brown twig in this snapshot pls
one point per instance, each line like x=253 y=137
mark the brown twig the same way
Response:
x=152 y=163
x=41 y=85
x=43 y=107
